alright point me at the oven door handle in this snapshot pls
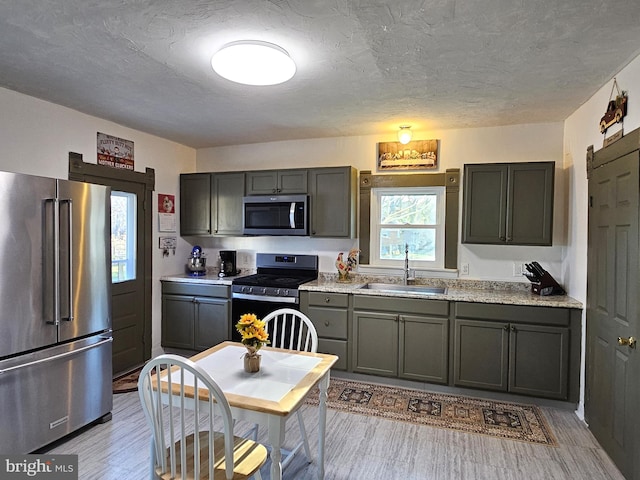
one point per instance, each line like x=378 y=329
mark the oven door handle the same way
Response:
x=264 y=298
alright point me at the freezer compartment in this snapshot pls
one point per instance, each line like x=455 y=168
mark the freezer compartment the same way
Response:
x=48 y=394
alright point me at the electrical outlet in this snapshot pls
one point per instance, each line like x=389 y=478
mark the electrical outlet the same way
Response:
x=518 y=269
x=464 y=269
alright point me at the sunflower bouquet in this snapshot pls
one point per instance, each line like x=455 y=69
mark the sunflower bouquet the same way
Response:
x=253 y=332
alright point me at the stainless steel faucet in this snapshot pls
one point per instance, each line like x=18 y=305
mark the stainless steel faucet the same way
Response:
x=406 y=263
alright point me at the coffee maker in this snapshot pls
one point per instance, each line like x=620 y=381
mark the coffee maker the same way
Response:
x=228 y=263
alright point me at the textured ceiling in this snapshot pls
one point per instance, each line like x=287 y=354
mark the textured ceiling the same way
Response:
x=364 y=66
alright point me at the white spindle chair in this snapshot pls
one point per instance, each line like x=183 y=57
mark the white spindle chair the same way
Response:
x=178 y=436
x=292 y=330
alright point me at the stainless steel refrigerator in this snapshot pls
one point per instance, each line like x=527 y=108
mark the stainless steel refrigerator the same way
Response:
x=55 y=309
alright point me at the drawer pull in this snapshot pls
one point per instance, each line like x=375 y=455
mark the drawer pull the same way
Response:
x=326 y=324
x=327 y=300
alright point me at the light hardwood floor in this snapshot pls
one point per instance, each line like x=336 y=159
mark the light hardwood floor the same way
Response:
x=360 y=447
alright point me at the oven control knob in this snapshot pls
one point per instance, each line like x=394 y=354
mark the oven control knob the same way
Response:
x=249 y=290
x=286 y=293
x=264 y=291
x=277 y=292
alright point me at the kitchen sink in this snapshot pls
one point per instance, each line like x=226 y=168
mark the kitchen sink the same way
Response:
x=394 y=287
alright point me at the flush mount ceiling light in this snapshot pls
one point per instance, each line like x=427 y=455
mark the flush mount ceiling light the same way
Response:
x=404 y=134
x=253 y=62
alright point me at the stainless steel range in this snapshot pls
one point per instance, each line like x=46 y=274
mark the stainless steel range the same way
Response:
x=274 y=286
x=278 y=278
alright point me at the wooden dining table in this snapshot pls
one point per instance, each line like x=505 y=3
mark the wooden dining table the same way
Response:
x=270 y=396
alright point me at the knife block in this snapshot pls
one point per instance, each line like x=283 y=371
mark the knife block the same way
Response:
x=547 y=286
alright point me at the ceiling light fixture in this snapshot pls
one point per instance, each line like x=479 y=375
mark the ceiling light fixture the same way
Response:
x=404 y=134
x=253 y=62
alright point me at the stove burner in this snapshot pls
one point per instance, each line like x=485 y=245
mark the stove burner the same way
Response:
x=278 y=278
x=264 y=280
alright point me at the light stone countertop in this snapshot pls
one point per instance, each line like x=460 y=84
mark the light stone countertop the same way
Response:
x=480 y=291
x=507 y=293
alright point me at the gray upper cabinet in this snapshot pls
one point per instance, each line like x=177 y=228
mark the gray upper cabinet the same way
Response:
x=211 y=203
x=508 y=203
x=195 y=204
x=281 y=182
x=227 y=203
x=333 y=202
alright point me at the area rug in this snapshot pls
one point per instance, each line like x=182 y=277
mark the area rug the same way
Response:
x=504 y=420
x=127 y=383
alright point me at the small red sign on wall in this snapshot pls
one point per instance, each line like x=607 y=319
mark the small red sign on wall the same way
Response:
x=166 y=203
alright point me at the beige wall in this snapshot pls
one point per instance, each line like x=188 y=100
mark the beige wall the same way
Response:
x=519 y=143
x=581 y=130
x=37 y=136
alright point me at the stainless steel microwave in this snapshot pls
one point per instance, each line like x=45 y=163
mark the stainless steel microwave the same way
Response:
x=275 y=215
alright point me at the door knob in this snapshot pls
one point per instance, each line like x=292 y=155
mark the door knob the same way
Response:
x=627 y=341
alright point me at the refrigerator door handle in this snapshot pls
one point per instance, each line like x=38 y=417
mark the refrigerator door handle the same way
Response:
x=69 y=261
x=57 y=357
x=52 y=263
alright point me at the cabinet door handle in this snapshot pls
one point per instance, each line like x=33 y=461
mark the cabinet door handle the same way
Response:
x=509 y=239
x=502 y=239
x=506 y=327
x=513 y=329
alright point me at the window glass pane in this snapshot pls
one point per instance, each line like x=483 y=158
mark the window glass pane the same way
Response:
x=421 y=241
x=408 y=209
x=412 y=216
x=123 y=236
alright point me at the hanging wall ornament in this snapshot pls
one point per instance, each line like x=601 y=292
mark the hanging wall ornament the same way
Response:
x=616 y=108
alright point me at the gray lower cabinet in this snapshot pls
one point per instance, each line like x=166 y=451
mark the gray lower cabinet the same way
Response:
x=401 y=337
x=517 y=349
x=329 y=313
x=195 y=317
x=423 y=348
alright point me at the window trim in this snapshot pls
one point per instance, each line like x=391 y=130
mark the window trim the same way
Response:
x=450 y=179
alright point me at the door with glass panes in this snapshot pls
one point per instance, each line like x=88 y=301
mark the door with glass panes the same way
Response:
x=131 y=257
x=127 y=275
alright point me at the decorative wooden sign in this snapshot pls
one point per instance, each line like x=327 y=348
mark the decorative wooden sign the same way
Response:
x=115 y=152
x=616 y=109
x=416 y=155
